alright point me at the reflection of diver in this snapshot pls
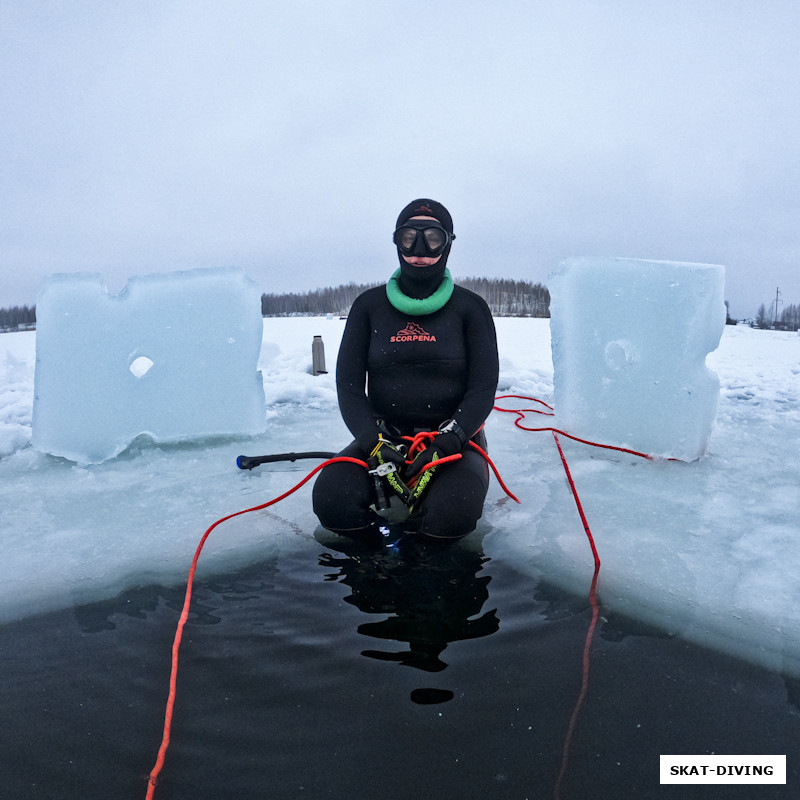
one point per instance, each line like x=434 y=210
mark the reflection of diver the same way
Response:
x=431 y=594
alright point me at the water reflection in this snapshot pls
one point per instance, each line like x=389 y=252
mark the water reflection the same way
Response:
x=430 y=594
x=210 y=594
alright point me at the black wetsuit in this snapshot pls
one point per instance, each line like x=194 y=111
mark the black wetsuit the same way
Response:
x=419 y=371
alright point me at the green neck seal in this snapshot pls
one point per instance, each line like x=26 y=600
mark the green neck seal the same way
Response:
x=417 y=308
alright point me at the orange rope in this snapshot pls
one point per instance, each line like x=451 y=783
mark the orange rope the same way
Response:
x=520 y=416
x=168 y=715
x=162 y=751
x=494 y=469
x=584 y=685
x=417 y=443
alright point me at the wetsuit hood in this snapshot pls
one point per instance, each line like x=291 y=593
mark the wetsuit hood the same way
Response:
x=421 y=282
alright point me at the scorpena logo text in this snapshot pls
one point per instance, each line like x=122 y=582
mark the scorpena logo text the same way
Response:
x=413 y=332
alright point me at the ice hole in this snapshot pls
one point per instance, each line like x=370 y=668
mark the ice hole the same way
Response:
x=618 y=354
x=141 y=366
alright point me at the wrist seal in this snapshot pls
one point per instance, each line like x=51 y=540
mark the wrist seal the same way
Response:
x=452 y=426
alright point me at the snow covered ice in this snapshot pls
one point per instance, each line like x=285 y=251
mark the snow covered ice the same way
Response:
x=630 y=339
x=708 y=549
x=173 y=356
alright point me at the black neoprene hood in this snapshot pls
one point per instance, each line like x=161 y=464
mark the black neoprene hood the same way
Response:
x=421 y=282
x=425 y=207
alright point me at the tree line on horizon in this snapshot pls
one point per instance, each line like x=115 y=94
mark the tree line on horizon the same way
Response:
x=787 y=320
x=17 y=317
x=505 y=298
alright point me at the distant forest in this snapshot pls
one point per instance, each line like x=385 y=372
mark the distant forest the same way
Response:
x=505 y=297
x=17 y=318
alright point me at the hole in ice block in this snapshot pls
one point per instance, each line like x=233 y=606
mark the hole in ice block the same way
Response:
x=141 y=366
x=619 y=354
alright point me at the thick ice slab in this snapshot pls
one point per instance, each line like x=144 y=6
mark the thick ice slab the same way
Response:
x=173 y=356
x=629 y=342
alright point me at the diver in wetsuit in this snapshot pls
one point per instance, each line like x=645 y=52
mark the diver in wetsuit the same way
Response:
x=418 y=354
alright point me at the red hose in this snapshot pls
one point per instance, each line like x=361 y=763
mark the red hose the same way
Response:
x=416 y=443
x=494 y=469
x=589 y=633
x=162 y=751
x=520 y=415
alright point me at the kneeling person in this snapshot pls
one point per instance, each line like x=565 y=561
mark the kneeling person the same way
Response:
x=418 y=356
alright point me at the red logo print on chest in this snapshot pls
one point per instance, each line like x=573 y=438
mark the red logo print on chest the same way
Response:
x=413 y=332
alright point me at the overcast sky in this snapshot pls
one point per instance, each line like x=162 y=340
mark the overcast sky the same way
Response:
x=284 y=137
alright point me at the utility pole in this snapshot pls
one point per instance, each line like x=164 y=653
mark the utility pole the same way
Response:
x=777 y=300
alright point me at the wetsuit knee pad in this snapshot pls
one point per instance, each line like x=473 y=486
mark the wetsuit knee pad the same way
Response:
x=342 y=496
x=454 y=502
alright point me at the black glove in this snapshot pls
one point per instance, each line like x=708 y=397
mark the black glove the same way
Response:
x=418 y=477
x=444 y=444
x=385 y=461
x=385 y=452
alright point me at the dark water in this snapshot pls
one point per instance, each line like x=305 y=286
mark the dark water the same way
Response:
x=345 y=673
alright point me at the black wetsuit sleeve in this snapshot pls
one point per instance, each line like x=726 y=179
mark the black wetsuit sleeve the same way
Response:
x=351 y=375
x=482 y=367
